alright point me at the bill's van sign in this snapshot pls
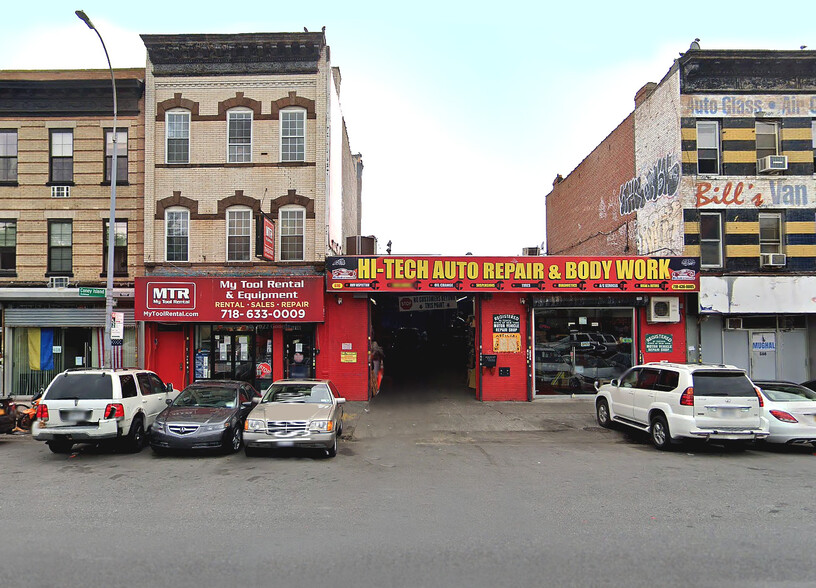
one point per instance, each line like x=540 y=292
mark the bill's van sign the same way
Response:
x=180 y=295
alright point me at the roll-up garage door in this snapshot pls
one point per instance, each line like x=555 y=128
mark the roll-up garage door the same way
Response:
x=61 y=317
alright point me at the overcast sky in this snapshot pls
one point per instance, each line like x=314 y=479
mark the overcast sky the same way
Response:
x=464 y=112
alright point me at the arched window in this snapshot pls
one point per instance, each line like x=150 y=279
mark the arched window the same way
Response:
x=177 y=132
x=292 y=223
x=293 y=134
x=177 y=234
x=239 y=135
x=239 y=233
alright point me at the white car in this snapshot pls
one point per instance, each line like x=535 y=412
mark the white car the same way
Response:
x=675 y=401
x=791 y=411
x=99 y=405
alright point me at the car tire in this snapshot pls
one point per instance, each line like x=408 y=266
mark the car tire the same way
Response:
x=332 y=451
x=60 y=446
x=660 y=433
x=135 y=439
x=602 y=414
x=233 y=440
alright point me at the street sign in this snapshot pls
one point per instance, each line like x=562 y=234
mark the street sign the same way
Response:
x=96 y=292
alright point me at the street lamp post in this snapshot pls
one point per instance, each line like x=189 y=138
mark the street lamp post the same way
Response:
x=112 y=222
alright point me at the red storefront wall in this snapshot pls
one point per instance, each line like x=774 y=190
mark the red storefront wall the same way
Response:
x=343 y=344
x=492 y=385
x=677 y=331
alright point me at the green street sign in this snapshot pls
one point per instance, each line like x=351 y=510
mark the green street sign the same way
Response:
x=97 y=292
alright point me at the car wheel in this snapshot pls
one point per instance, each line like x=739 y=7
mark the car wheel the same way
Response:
x=135 y=439
x=332 y=451
x=233 y=440
x=661 y=437
x=602 y=413
x=60 y=446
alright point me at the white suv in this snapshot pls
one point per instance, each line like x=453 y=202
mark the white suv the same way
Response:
x=95 y=405
x=675 y=401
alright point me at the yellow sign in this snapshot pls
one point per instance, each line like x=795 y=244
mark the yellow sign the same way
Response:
x=348 y=357
x=506 y=342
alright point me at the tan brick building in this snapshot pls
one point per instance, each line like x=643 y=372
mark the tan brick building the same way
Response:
x=55 y=153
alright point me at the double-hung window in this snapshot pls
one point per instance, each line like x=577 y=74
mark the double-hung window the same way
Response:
x=178 y=136
x=770 y=232
x=8 y=245
x=711 y=243
x=708 y=147
x=120 y=239
x=292 y=233
x=8 y=155
x=767 y=139
x=60 y=246
x=239 y=136
x=62 y=156
x=121 y=156
x=813 y=138
x=239 y=234
x=293 y=134
x=177 y=234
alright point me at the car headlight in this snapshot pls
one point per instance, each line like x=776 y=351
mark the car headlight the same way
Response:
x=216 y=426
x=321 y=426
x=159 y=426
x=255 y=425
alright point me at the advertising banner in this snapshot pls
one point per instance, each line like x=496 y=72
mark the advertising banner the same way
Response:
x=596 y=275
x=426 y=302
x=278 y=299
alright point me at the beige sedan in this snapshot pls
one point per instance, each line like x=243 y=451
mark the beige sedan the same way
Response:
x=296 y=413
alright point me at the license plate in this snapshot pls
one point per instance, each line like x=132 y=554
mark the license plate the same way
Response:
x=286 y=444
x=74 y=415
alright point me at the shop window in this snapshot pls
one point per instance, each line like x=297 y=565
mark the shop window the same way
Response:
x=239 y=136
x=60 y=247
x=708 y=147
x=120 y=241
x=177 y=125
x=767 y=139
x=292 y=233
x=8 y=156
x=711 y=250
x=177 y=231
x=293 y=134
x=62 y=156
x=770 y=232
x=8 y=246
x=121 y=156
x=239 y=234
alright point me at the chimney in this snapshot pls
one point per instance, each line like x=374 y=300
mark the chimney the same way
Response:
x=642 y=94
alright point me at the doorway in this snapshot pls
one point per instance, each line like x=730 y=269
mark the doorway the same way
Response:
x=298 y=351
x=233 y=353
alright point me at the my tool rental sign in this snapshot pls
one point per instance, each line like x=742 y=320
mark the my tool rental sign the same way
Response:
x=235 y=299
x=513 y=274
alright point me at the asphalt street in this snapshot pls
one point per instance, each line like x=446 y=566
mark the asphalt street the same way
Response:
x=430 y=488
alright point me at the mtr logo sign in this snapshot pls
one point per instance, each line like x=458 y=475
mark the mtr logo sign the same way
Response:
x=163 y=295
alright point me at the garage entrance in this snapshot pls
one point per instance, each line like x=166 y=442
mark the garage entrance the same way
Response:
x=428 y=342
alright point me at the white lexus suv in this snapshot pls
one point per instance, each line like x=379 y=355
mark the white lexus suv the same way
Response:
x=675 y=401
x=98 y=405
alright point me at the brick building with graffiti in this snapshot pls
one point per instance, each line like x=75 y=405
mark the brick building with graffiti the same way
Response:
x=716 y=161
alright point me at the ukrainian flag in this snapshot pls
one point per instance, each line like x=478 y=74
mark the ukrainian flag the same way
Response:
x=41 y=349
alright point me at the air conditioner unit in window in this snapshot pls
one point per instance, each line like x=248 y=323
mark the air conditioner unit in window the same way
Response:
x=772 y=163
x=58 y=282
x=531 y=251
x=773 y=259
x=663 y=309
x=60 y=191
x=732 y=324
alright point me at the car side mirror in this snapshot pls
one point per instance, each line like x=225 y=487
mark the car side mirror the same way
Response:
x=256 y=399
x=169 y=387
x=340 y=400
x=248 y=404
x=615 y=382
x=168 y=401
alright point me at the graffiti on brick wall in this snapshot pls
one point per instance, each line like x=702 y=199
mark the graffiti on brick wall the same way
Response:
x=660 y=230
x=662 y=179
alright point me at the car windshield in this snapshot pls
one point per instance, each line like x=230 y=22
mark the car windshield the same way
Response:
x=722 y=383
x=207 y=397
x=80 y=387
x=779 y=392
x=314 y=393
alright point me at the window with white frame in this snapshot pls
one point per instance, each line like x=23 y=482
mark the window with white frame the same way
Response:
x=239 y=234
x=767 y=139
x=813 y=138
x=292 y=222
x=770 y=232
x=178 y=136
x=239 y=136
x=60 y=246
x=177 y=234
x=8 y=245
x=293 y=134
x=121 y=155
x=711 y=243
x=708 y=147
x=62 y=156
x=120 y=239
x=8 y=155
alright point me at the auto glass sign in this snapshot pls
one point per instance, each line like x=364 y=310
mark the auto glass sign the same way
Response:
x=579 y=275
